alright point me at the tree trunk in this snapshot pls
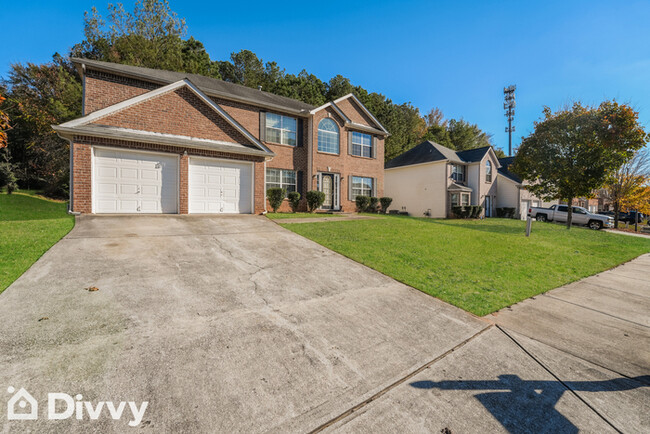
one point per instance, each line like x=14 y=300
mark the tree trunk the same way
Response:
x=616 y=208
x=569 y=216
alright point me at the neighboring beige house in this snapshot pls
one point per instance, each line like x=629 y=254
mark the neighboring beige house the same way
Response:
x=512 y=192
x=430 y=179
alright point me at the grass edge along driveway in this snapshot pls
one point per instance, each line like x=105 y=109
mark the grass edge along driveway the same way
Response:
x=29 y=226
x=480 y=266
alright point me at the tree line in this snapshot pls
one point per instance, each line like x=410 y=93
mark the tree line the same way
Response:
x=153 y=36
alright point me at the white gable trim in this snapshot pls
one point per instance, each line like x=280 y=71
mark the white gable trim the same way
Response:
x=363 y=107
x=160 y=91
x=346 y=119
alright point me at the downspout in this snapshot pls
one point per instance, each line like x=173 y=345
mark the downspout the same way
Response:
x=265 y=210
x=310 y=152
x=70 y=177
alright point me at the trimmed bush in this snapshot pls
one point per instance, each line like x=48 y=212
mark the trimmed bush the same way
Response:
x=294 y=200
x=276 y=196
x=315 y=199
x=373 y=204
x=471 y=212
x=509 y=213
x=479 y=210
x=458 y=211
x=362 y=203
x=500 y=212
x=385 y=203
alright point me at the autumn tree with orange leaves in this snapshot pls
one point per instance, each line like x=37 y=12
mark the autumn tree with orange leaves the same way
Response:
x=576 y=150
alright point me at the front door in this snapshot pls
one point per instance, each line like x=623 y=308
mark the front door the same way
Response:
x=488 y=206
x=328 y=189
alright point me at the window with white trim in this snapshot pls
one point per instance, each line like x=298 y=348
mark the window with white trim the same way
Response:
x=458 y=172
x=281 y=178
x=361 y=144
x=488 y=172
x=328 y=136
x=459 y=199
x=361 y=186
x=281 y=129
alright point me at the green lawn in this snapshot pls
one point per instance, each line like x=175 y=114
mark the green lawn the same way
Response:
x=299 y=215
x=29 y=226
x=480 y=266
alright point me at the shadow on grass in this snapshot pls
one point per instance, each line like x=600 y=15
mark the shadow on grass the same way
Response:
x=524 y=406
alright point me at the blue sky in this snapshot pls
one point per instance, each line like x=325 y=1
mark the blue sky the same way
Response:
x=456 y=55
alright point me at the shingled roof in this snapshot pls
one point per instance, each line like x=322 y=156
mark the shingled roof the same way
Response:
x=210 y=86
x=505 y=169
x=428 y=152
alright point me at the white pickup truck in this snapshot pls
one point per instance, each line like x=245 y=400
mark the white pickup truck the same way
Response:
x=581 y=216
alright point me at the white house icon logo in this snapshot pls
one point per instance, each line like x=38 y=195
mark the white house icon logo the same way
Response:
x=21 y=399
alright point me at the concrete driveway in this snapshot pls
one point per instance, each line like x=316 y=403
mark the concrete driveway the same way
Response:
x=233 y=324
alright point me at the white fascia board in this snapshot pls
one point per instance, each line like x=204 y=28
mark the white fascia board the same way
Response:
x=122 y=105
x=158 y=138
x=157 y=92
x=225 y=115
x=335 y=108
x=365 y=110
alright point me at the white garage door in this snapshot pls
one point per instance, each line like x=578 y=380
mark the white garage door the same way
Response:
x=219 y=186
x=134 y=182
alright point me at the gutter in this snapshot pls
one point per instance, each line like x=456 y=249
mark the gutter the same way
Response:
x=228 y=96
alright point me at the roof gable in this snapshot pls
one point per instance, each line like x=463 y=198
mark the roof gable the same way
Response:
x=504 y=170
x=425 y=152
x=176 y=103
x=357 y=116
x=210 y=86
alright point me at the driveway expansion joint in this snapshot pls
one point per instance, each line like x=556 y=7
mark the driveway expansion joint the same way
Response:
x=394 y=384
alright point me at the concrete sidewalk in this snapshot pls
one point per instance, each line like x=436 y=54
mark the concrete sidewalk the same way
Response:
x=234 y=324
x=575 y=358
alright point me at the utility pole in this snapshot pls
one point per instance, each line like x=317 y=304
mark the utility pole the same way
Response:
x=509 y=107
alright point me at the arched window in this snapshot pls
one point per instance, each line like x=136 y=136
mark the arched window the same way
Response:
x=328 y=136
x=488 y=172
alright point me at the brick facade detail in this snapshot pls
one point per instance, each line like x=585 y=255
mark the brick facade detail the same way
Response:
x=181 y=112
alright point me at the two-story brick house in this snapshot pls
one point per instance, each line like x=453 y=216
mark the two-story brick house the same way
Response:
x=154 y=141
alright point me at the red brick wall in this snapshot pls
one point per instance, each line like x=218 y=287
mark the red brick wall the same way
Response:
x=344 y=163
x=102 y=90
x=82 y=172
x=178 y=112
x=81 y=178
x=354 y=112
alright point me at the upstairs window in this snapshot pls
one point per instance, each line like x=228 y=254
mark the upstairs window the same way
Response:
x=281 y=129
x=488 y=172
x=458 y=173
x=361 y=144
x=328 y=136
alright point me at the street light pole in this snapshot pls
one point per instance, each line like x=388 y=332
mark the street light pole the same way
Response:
x=509 y=107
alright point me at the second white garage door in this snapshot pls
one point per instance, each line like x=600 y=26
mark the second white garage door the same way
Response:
x=219 y=186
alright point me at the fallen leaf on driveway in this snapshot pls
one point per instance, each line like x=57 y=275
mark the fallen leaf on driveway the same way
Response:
x=41 y=319
x=92 y=288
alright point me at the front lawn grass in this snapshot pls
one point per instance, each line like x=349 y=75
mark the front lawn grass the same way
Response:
x=299 y=215
x=478 y=265
x=29 y=226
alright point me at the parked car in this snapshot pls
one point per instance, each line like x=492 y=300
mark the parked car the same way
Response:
x=631 y=216
x=581 y=216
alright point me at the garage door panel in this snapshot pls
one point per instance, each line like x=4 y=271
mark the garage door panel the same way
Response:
x=134 y=182
x=218 y=186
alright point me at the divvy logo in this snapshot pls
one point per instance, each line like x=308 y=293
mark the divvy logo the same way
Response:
x=23 y=406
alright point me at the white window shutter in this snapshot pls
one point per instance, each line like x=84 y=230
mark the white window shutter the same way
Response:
x=373 y=149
